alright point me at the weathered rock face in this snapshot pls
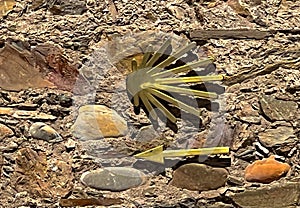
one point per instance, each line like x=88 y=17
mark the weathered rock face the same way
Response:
x=199 y=177
x=277 y=196
x=5 y=131
x=276 y=109
x=17 y=69
x=44 y=66
x=6 y=6
x=278 y=136
x=266 y=170
x=146 y=133
x=59 y=7
x=113 y=178
x=42 y=177
x=98 y=121
x=248 y=114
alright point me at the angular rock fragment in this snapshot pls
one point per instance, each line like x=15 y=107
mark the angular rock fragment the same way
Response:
x=279 y=136
x=275 y=196
x=6 y=111
x=146 y=133
x=275 y=109
x=266 y=170
x=17 y=69
x=5 y=131
x=23 y=67
x=34 y=115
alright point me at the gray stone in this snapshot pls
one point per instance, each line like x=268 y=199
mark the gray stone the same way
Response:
x=113 y=178
x=276 y=109
x=199 y=177
x=98 y=121
x=40 y=130
x=276 y=196
x=280 y=135
x=146 y=134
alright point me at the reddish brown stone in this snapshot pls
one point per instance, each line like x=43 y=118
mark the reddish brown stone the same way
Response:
x=266 y=170
x=199 y=177
x=5 y=131
x=42 y=177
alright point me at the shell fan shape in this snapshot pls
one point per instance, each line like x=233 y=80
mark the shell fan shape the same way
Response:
x=164 y=82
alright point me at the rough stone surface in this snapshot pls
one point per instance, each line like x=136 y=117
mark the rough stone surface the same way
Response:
x=42 y=177
x=277 y=196
x=45 y=132
x=59 y=7
x=266 y=65
x=33 y=115
x=279 y=136
x=97 y=121
x=276 y=109
x=5 y=131
x=146 y=133
x=248 y=114
x=17 y=70
x=199 y=177
x=6 y=6
x=266 y=170
x=113 y=178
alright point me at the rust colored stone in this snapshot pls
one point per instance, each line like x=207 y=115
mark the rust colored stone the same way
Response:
x=266 y=170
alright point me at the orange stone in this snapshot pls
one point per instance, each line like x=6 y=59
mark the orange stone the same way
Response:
x=266 y=170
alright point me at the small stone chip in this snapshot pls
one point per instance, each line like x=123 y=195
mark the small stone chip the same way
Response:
x=40 y=130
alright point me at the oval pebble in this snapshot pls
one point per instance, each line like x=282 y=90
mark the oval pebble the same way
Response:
x=113 y=178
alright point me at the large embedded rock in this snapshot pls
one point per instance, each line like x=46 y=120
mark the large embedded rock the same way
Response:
x=98 y=121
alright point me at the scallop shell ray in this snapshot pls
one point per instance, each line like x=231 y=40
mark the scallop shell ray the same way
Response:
x=165 y=75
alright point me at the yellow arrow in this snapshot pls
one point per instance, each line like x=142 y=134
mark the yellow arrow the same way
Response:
x=157 y=154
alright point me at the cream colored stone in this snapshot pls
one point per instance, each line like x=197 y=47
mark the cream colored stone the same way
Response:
x=97 y=121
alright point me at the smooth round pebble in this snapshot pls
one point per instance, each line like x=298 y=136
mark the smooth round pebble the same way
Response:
x=113 y=178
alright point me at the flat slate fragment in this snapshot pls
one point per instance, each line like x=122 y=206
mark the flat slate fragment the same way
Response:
x=276 y=196
x=275 y=109
x=233 y=33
